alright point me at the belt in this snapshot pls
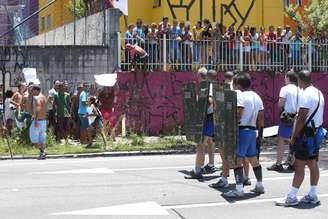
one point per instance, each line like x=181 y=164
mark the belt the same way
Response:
x=39 y=120
x=247 y=127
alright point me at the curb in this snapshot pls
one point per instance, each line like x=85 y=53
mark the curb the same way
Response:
x=102 y=154
x=122 y=154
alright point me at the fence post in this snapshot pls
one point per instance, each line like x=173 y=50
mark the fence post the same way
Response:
x=310 y=56
x=164 y=53
x=118 y=49
x=241 y=58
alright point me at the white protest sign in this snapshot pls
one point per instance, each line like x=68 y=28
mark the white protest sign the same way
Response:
x=106 y=80
x=122 y=5
x=29 y=74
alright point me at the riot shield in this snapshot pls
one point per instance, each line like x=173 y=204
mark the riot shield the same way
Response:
x=226 y=122
x=189 y=106
x=202 y=105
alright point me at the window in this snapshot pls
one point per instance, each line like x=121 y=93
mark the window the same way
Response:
x=299 y=3
x=49 y=21
x=42 y=23
x=157 y=3
x=286 y=3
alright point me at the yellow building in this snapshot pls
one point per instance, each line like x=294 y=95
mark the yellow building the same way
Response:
x=54 y=16
x=228 y=12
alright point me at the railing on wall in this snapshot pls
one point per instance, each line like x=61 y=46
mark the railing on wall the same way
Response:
x=222 y=55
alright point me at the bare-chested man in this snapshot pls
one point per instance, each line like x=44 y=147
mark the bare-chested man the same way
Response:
x=38 y=128
x=27 y=105
x=17 y=100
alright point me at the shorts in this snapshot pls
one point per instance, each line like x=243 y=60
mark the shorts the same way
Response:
x=247 y=143
x=308 y=149
x=38 y=135
x=62 y=124
x=285 y=131
x=209 y=128
x=84 y=122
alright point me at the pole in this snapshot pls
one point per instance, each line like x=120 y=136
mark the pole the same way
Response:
x=74 y=12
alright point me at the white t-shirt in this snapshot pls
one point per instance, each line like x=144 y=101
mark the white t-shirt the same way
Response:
x=52 y=94
x=210 y=109
x=309 y=100
x=287 y=37
x=9 y=113
x=290 y=93
x=252 y=104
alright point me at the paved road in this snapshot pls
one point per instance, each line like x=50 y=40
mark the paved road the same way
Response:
x=147 y=187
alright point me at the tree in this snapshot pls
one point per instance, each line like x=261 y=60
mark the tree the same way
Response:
x=80 y=8
x=315 y=17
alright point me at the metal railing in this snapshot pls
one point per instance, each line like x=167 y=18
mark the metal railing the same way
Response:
x=222 y=55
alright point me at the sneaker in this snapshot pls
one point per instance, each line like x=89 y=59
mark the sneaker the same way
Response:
x=310 y=200
x=42 y=156
x=233 y=194
x=220 y=184
x=208 y=169
x=290 y=168
x=288 y=202
x=247 y=182
x=194 y=175
x=258 y=190
x=276 y=167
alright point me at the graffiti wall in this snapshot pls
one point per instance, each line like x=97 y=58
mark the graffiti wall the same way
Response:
x=153 y=103
x=228 y=12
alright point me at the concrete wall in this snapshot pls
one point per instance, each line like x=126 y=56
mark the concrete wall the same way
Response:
x=70 y=63
x=91 y=30
x=153 y=103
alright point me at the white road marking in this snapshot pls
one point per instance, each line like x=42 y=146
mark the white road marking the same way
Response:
x=217 y=204
x=143 y=208
x=78 y=171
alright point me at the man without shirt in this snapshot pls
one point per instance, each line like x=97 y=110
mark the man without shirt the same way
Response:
x=38 y=128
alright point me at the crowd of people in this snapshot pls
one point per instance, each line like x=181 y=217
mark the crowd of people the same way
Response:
x=301 y=119
x=213 y=45
x=77 y=116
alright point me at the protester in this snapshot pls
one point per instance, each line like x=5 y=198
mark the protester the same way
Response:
x=51 y=113
x=95 y=120
x=38 y=128
x=83 y=110
x=9 y=117
x=306 y=139
x=62 y=109
x=106 y=103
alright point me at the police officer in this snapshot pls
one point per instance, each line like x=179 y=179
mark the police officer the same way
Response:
x=251 y=116
x=230 y=82
x=288 y=99
x=208 y=132
x=306 y=139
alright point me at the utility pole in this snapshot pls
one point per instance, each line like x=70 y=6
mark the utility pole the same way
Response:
x=74 y=12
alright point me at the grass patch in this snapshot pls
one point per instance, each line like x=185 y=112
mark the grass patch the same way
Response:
x=131 y=143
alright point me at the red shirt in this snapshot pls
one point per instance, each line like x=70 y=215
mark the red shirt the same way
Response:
x=271 y=36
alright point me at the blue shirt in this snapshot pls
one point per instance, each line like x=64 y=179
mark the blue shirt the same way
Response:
x=83 y=109
x=140 y=32
x=128 y=37
x=174 y=33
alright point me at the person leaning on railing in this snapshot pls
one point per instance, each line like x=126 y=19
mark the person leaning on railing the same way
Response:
x=197 y=38
x=187 y=47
